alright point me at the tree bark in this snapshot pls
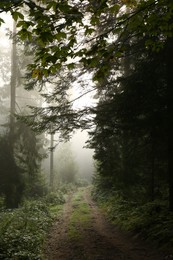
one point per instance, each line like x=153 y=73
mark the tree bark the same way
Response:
x=13 y=83
x=169 y=68
x=51 y=163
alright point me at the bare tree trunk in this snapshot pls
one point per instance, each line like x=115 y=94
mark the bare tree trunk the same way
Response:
x=13 y=83
x=51 y=162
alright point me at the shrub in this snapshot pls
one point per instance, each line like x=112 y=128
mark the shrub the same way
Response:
x=2 y=203
x=55 y=198
x=22 y=231
x=152 y=220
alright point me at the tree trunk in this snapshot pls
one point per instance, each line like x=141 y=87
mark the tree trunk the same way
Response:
x=14 y=184
x=13 y=84
x=153 y=173
x=51 y=163
x=169 y=63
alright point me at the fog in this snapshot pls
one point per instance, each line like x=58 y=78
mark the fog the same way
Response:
x=84 y=156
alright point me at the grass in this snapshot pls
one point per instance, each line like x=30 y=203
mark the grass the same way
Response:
x=80 y=217
x=56 y=210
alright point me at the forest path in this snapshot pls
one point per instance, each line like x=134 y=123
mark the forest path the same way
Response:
x=83 y=233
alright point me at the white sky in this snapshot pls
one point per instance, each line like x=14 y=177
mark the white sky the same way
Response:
x=7 y=18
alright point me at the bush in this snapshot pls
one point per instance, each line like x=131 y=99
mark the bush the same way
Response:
x=67 y=188
x=23 y=230
x=152 y=220
x=2 y=203
x=80 y=182
x=55 y=198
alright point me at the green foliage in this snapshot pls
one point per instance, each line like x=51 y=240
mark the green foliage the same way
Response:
x=17 y=15
x=55 y=198
x=80 y=182
x=152 y=220
x=2 y=203
x=11 y=181
x=66 y=188
x=35 y=187
x=1 y=21
x=129 y=53
x=22 y=231
x=130 y=138
x=53 y=28
x=20 y=166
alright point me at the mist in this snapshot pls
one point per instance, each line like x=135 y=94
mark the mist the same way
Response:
x=83 y=155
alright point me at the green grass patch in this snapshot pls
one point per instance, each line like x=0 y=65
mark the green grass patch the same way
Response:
x=56 y=210
x=80 y=217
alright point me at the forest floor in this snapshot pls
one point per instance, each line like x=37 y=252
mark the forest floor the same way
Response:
x=83 y=233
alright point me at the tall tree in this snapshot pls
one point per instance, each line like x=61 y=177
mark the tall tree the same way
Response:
x=22 y=146
x=144 y=27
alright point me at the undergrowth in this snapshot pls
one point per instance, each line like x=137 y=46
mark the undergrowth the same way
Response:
x=23 y=230
x=152 y=220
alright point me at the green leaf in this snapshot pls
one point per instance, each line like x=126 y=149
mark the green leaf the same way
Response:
x=114 y=9
x=21 y=16
x=53 y=69
x=71 y=66
x=47 y=36
x=1 y=21
x=60 y=35
x=45 y=72
x=58 y=66
x=64 y=8
x=24 y=24
x=72 y=42
x=52 y=5
x=25 y=35
x=94 y=20
x=89 y=31
x=16 y=15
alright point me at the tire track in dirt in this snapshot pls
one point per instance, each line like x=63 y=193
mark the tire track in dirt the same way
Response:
x=98 y=241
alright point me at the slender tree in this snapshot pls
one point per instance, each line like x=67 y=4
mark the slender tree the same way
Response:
x=13 y=84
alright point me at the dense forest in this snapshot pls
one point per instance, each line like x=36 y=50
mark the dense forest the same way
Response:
x=122 y=52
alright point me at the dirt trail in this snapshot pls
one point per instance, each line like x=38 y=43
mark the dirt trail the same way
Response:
x=98 y=241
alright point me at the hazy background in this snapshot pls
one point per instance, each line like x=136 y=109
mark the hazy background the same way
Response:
x=82 y=156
